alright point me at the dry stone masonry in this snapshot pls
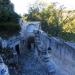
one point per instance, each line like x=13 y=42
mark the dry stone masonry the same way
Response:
x=63 y=53
x=44 y=48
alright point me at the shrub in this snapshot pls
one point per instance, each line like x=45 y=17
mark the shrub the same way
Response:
x=9 y=28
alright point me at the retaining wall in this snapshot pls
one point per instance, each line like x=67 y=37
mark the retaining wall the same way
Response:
x=63 y=55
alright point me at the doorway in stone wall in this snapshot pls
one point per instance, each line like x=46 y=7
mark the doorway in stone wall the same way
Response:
x=30 y=42
x=17 y=49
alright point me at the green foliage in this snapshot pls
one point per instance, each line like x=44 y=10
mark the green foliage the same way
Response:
x=47 y=16
x=68 y=36
x=56 y=22
x=9 y=29
x=6 y=10
x=8 y=19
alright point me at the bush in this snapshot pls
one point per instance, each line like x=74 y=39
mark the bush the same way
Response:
x=9 y=28
x=68 y=36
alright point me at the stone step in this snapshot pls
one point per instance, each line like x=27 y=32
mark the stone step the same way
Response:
x=31 y=66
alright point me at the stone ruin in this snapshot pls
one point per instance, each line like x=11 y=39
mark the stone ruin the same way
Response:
x=43 y=46
x=39 y=42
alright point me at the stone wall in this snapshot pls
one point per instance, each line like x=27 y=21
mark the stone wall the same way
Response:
x=63 y=55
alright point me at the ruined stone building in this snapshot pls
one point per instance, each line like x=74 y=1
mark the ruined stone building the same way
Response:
x=31 y=34
x=17 y=43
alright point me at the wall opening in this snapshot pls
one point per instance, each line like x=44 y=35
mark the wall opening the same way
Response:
x=30 y=41
x=17 y=49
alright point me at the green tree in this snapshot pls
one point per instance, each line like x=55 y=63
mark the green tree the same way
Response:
x=47 y=16
x=8 y=18
x=55 y=21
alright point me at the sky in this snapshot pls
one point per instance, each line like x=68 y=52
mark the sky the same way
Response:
x=22 y=6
